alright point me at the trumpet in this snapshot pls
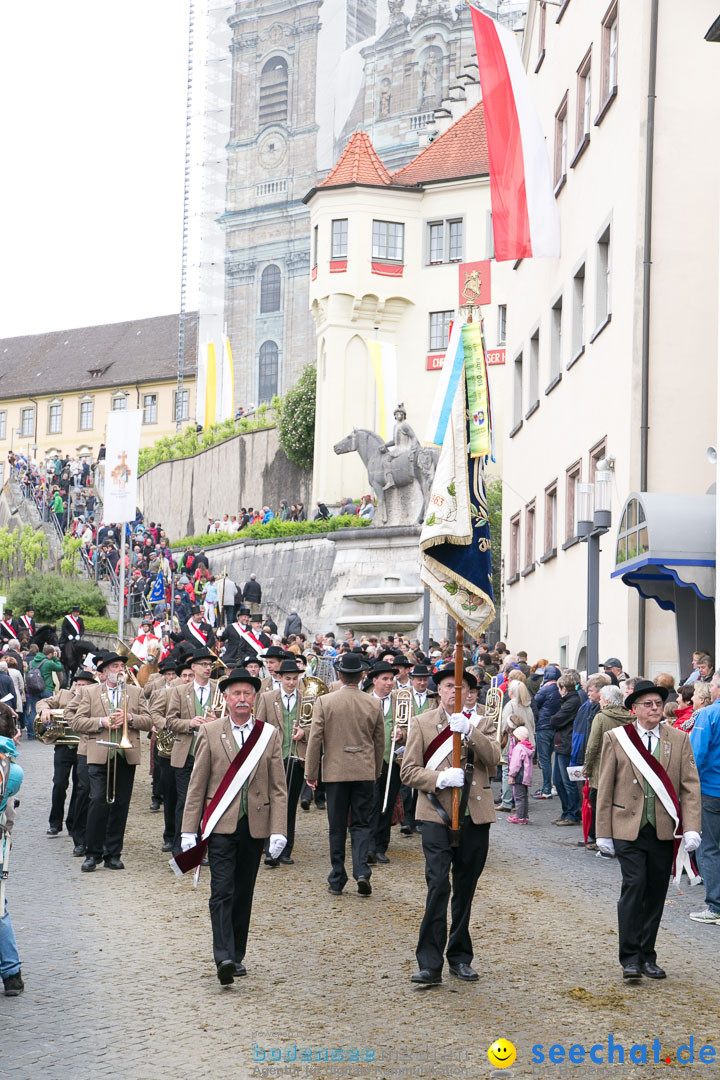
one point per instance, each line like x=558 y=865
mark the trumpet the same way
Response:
x=114 y=745
x=493 y=714
x=403 y=712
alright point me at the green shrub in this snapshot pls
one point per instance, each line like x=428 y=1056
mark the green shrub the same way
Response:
x=21 y=550
x=98 y=624
x=296 y=426
x=273 y=528
x=189 y=442
x=53 y=596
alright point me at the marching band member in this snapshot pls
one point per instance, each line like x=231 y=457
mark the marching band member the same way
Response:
x=381 y=823
x=65 y=763
x=156 y=692
x=273 y=657
x=427 y=766
x=282 y=708
x=82 y=789
x=403 y=665
x=348 y=729
x=248 y=753
x=187 y=709
x=100 y=711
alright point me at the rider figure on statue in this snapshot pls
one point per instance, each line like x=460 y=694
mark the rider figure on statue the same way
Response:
x=404 y=438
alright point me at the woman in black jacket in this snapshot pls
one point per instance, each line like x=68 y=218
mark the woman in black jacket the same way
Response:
x=562 y=722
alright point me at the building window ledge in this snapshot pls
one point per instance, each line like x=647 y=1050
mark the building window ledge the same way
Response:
x=548 y=555
x=513 y=579
x=576 y=357
x=528 y=570
x=541 y=57
x=571 y=542
x=601 y=327
x=338 y=266
x=581 y=149
x=515 y=430
x=560 y=184
x=553 y=383
x=387 y=269
x=533 y=408
x=605 y=106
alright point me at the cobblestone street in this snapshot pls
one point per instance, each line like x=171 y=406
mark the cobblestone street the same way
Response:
x=120 y=980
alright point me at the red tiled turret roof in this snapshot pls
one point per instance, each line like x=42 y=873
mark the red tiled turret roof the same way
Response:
x=460 y=151
x=358 y=164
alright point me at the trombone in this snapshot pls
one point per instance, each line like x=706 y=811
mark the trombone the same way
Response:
x=403 y=712
x=114 y=744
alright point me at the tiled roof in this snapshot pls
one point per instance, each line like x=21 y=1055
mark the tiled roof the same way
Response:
x=358 y=164
x=460 y=151
x=95 y=357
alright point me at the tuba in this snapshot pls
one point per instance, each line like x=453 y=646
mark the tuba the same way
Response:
x=57 y=731
x=164 y=740
x=314 y=688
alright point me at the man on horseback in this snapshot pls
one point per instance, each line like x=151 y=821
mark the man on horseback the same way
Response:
x=404 y=440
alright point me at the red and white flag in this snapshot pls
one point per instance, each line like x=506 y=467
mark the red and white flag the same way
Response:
x=524 y=211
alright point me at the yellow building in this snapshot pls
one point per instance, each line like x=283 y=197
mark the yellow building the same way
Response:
x=56 y=389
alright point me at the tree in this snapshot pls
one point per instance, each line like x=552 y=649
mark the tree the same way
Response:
x=297 y=419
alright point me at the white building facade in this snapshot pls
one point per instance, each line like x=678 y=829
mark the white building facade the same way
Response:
x=611 y=325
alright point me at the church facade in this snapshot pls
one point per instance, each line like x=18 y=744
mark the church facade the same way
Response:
x=298 y=93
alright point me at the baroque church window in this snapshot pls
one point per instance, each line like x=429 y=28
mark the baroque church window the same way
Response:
x=274 y=91
x=270 y=289
x=267 y=372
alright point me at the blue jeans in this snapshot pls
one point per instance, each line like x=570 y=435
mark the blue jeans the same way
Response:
x=567 y=789
x=9 y=958
x=544 y=740
x=31 y=705
x=709 y=851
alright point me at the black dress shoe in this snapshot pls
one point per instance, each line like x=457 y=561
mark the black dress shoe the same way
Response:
x=271 y=862
x=381 y=857
x=240 y=969
x=154 y=806
x=226 y=972
x=52 y=831
x=406 y=830
x=286 y=860
x=333 y=891
x=167 y=846
x=114 y=862
x=320 y=804
x=464 y=971
x=364 y=886
x=304 y=804
x=652 y=970
x=426 y=977
x=78 y=851
x=632 y=971
x=90 y=864
x=372 y=858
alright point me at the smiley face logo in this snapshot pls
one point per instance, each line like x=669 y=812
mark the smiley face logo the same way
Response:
x=501 y=1054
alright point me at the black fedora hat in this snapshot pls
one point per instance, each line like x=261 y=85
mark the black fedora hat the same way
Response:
x=643 y=687
x=382 y=668
x=239 y=675
x=420 y=671
x=448 y=672
x=167 y=665
x=108 y=658
x=289 y=667
x=202 y=654
x=249 y=660
x=84 y=675
x=401 y=660
x=273 y=652
x=351 y=664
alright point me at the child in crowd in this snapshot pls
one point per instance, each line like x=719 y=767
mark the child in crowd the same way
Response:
x=520 y=771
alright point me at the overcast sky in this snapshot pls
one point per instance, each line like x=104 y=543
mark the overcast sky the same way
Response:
x=92 y=148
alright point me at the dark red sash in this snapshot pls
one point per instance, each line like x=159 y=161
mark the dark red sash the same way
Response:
x=436 y=743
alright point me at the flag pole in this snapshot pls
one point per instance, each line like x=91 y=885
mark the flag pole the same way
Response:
x=457 y=743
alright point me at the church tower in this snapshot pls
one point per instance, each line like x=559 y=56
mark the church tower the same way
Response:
x=271 y=166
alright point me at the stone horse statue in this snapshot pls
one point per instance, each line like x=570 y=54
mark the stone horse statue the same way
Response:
x=408 y=468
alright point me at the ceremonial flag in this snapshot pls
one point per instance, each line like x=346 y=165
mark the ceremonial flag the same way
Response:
x=455 y=552
x=446 y=393
x=524 y=211
x=210 y=386
x=227 y=383
x=477 y=390
x=157 y=593
x=383 y=357
x=121 y=465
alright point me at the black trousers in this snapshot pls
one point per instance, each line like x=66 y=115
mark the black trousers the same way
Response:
x=295 y=777
x=593 y=808
x=165 y=775
x=82 y=801
x=381 y=824
x=157 y=785
x=234 y=860
x=64 y=766
x=467 y=861
x=182 y=779
x=106 y=823
x=307 y=794
x=356 y=798
x=409 y=802
x=646 y=864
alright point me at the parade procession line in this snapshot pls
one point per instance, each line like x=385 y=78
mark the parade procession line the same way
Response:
x=120 y=979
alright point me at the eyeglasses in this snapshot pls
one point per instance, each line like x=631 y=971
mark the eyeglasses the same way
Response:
x=649 y=704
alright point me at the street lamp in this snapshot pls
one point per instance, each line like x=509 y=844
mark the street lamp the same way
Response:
x=594 y=519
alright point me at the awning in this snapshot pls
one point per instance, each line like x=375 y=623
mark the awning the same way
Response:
x=665 y=541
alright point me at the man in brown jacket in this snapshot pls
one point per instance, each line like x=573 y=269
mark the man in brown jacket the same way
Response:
x=99 y=715
x=348 y=728
x=427 y=766
x=65 y=757
x=258 y=811
x=634 y=825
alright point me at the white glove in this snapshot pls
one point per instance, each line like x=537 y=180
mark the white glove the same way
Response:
x=276 y=845
x=188 y=840
x=605 y=845
x=692 y=840
x=459 y=722
x=450 y=778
